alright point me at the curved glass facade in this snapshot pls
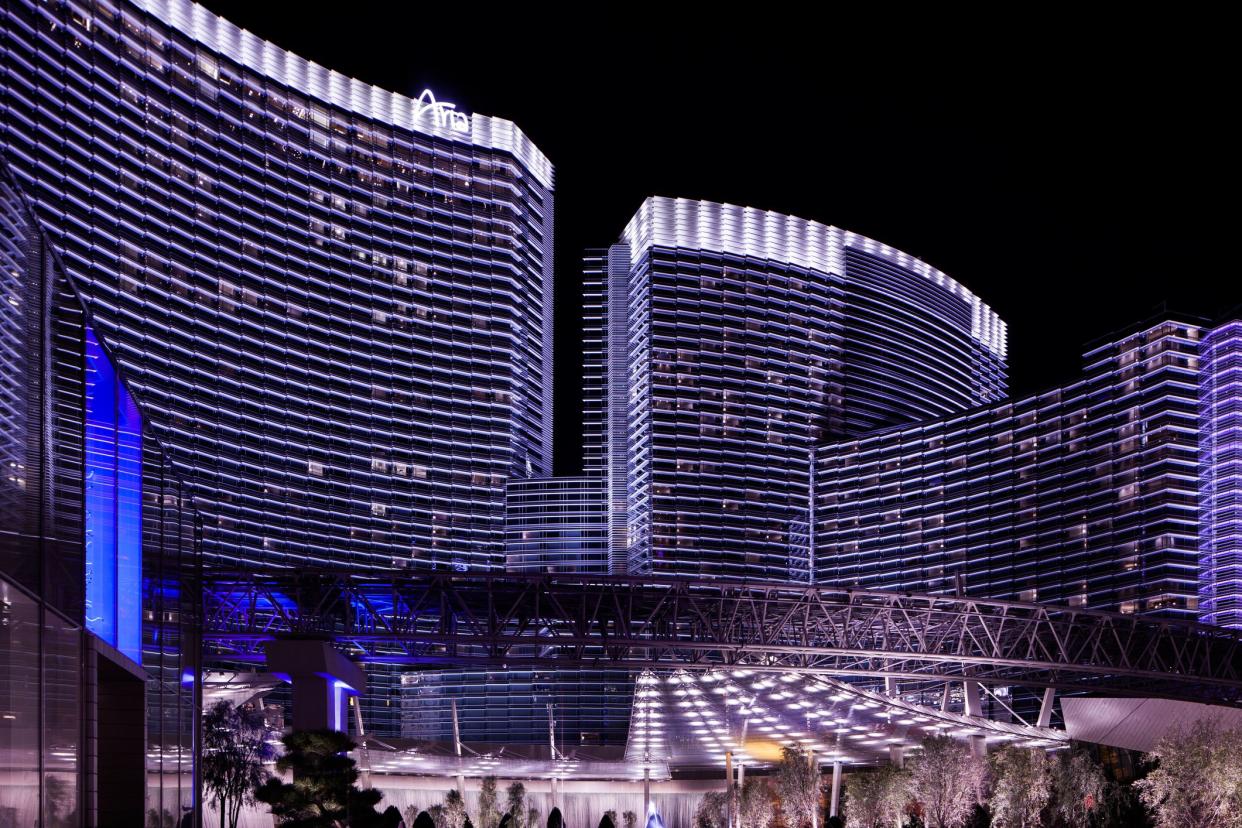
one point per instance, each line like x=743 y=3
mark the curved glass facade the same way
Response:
x=332 y=302
x=556 y=524
x=750 y=337
x=1220 y=444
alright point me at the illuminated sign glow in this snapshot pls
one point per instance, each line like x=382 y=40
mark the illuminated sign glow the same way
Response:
x=443 y=114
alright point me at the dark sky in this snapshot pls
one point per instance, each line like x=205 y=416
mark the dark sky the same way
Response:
x=1076 y=174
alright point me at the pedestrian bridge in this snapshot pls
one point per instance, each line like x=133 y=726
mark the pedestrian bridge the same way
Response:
x=494 y=620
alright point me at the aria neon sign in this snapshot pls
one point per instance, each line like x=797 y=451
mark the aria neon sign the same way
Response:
x=442 y=114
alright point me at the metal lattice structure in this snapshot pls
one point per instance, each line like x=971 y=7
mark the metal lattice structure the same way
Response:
x=525 y=622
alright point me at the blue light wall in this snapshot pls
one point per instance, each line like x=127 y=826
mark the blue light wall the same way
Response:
x=113 y=506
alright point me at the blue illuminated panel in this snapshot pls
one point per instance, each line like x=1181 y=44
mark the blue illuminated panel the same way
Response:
x=100 y=491
x=113 y=506
x=128 y=526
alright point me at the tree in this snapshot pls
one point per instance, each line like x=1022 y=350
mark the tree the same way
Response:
x=532 y=817
x=797 y=782
x=236 y=746
x=1197 y=782
x=946 y=779
x=516 y=799
x=611 y=814
x=489 y=814
x=877 y=798
x=756 y=808
x=1079 y=788
x=162 y=818
x=1122 y=808
x=979 y=817
x=1021 y=786
x=453 y=810
x=324 y=793
x=712 y=810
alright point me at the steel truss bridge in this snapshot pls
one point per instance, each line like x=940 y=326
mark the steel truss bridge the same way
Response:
x=603 y=622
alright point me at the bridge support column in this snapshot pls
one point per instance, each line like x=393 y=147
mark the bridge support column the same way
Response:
x=323 y=679
x=974 y=707
x=896 y=753
x=1045 y=707
x=834 y=804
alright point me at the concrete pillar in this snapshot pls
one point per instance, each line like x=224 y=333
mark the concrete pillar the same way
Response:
x=1046 y=707
x=323 y=679
x=115 y=711
x=729 y=788
x=897 y=755
x=974 y=707
x=834 y=804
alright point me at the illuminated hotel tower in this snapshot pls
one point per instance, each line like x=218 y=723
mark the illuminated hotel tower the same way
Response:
x=332 y=302
x=724 y=342
x=1084 y=494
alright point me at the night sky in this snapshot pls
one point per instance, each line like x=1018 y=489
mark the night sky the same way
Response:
x=1079 y=176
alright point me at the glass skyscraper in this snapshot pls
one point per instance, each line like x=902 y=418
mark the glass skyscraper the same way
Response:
x=723 y=343
x=332 y=301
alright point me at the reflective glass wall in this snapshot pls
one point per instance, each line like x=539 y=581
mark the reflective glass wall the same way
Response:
x=98 y=557
x=40 y=712
x=41 y=568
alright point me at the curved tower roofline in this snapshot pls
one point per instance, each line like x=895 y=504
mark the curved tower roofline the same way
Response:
x=764 y=234
x=424 y=114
